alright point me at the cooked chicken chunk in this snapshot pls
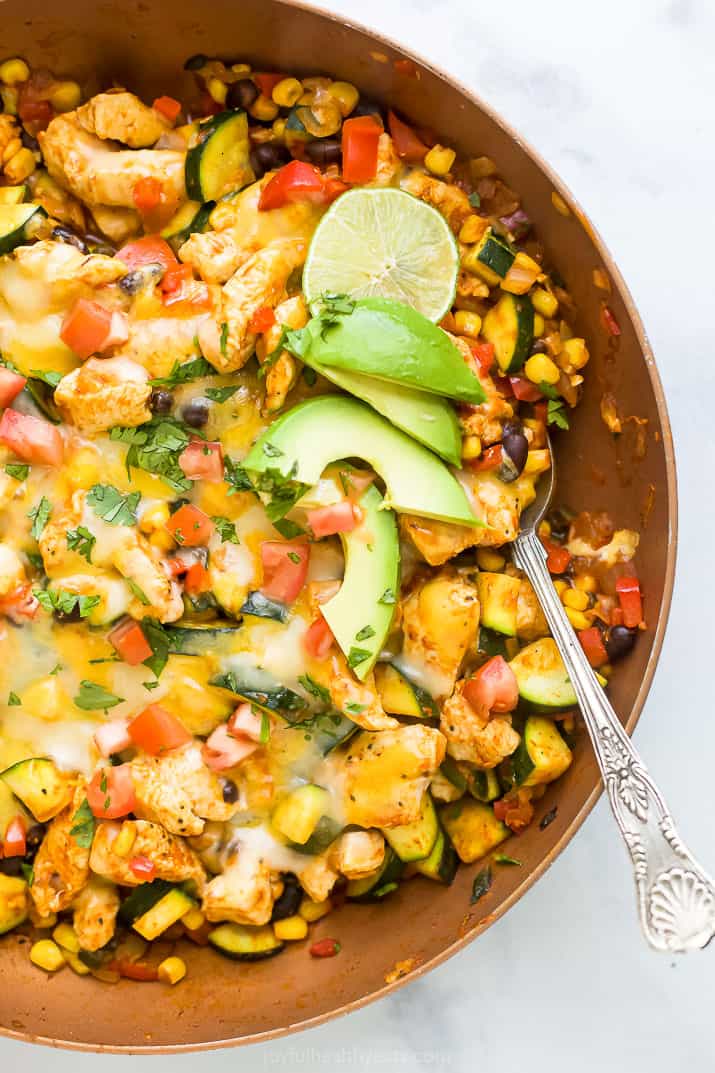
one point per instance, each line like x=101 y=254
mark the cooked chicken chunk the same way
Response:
x=620 y=549
x=440 y=619
x=475 y=736
x=232 y=571
x=318 y=877
x=115 y=223
x=178 y=791
x=452 y=202
x=139 y=562
x=530 y=620
x=284 y=368
x=357 y=853
x=48 y=277
x=443 y=790
x=121 y=116
x=244 y=893
x=359 y=701
x=172 y=857
x=486 y=418
x=389 y=165
x=157 y=343
x=383 y=776
x=105 y=392
x=12 y=570
x=61 y=866
x=95 y=914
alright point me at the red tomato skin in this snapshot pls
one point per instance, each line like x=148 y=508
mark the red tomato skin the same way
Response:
x=557 y=558
x=524 y=390
x=86 y=328
x=267 y=82
x=282 y=577
x=263 y=319
x=484 y=353
x=493 y=687
x=31 y=438
x=169 y=107
x=296 y=181
x=142 y=868
x=337 y=518
x=11 y=384
x=318 y=639
x=129 y=641
x=202 y=460
x=489 y=459
x=138 y=971
x=117 y=798
x=407 y=144
x=197 y=580
x=189 y=526
x=148 y=194
x=149 y=250
x=157 y=731
x=20 y=605
x=360 y=138
x=15 y=844
x=325 y=948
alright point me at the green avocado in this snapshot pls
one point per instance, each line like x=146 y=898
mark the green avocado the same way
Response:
x=391 y=341
x=292 y=453
x=361 y=613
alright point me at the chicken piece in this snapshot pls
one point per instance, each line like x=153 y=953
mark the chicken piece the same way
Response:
x=117 y=224
x=139 y=562
x=49 y=276
x=99 y=173
x=105 y=392
x=440 y=619
x=473 y=735
x=318 y=877
x=56 y=201
x=244 y=893
x=95 y=914
x=448 y=199
x=8 y=489
x=621 y=548
x=389 y=165
x=158 y=343
x=530 y=620
x=443 y=790
x=215 y=255
x=121 y=116
x=485 y=419
x=12 y=570
x=61 y=867
x=469 y=286
x=260 y=282
x=178 y=791
x=359 y=701
x=357 y=853
x=383 y=776
x=284 y=368
x=173 y=859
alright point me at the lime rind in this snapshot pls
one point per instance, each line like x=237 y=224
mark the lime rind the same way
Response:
x=383 y=242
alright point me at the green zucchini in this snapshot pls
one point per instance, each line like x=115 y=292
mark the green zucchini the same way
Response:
x=13 y=902
x=170 y=908
x=18 y=225
x=297 y=814
x=453 y=773
x=191 y=217
x=295 y=131
x=40 y=785
x=509 y=325
x=199 y=639
x=219 y=163
x=12 y=195
x=379 y=883
x=442 y=862
x=264 y=607
x=143 y=898
x=490 y=643
x=42 y=396
x=327 y=730
x=415 y=841
x=278 y=699
x=484 y=785
x=541 y=675
x=400 y=696
x=243 y=943
x=324 y=834
x=498 y=599
x=473 y=828
x=10 y=807
x=542 y=754
x=491 y=258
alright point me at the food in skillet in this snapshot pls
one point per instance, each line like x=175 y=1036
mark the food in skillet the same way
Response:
x=276 y=375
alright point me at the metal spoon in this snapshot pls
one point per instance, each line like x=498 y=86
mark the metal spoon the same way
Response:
x=676 y=897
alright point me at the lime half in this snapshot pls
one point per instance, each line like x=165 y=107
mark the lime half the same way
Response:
x=384 y=243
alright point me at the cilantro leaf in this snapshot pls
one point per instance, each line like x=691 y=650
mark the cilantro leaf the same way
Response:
x=18 y=470
x=354 y=709
x=221 y=394
x=13 y=700
x=223 y=339
x=271 y=450
x=475 y=200
x=156 y=446
x=94 y=698
x=139 y=593
x=288 y=529
x=83 y=825
x=159 y=642
x=65 y=602
x=40 y=517
x=504 y=858
x=556 y=414
x=314 y=688
x=183 y=373
x=358 y=655
x=364 y=633
x=235 y=476
x=81 y=541
x=226 y=529
x=548 y=390
x=109 y=503
x=265 y=733
x=47 y=376
x=388 y=597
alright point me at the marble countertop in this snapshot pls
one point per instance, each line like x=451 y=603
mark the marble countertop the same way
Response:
x=617 y=96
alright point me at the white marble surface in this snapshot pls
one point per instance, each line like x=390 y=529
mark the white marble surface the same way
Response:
x=618 y=96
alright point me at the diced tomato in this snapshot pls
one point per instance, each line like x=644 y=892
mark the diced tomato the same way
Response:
x=285 y=566
x=197 y=580
x=629 y=597
x=174 y=280
x=180 y=290
x=593 y=646
x=150 y=250
x=245 y=723
x=157 y=731
x=189 y=526
x=318 y=639
x=112 y=737
x=263 y=319
x=406 y=67
x=111 y=792
x=524 y=390
x=138 y=971
x=337 y=518
x=11 y=384
x=360 y=137
x=202 y=460
x=332 y=189
x=557 y=558
x=169 y=107
x=493 y=687
x=609 y=321
x=129 y=641
x=296 y=181
x=31 y=438
x=20 y=605
x=484 y=353
x=222 y=750
x=407 y=145
x=15 y=844
x=267 y=82
x=147 y=194
x=89 y=328
x=142 y=868
x=541 y=411
x=515 y=810
x=489 y=459
x=35 y=111
x=324 y=948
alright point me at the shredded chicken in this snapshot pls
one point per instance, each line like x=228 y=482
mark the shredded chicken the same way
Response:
x=122 y=117
x=172 y=858
x=61 y=866
x=284 y=368
x=105 y=392
x=178 y=791
x=95 y=913
x=244 y=893
x=440 y=619
x=474 y=735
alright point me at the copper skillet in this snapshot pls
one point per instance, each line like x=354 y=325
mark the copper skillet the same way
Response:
x=222 y=1003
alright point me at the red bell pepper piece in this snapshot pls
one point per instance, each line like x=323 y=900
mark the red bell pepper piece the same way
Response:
x=408 y=145
x=557 y=558
x=629 y=597
x=169 y=107
x=147 y=194
x=593 y=646
x=360 y=138
x=189 y=526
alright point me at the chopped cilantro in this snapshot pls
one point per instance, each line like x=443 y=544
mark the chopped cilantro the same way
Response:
x=226 y=529
x=357 y=655
x=183 y=373
x=13 y=700
x=40 y=517
x=221 y=394
x=314 y=688
x=556 y=414
x=388 y=597
x=48 y=376
x=235 y=476
x=155 y=447
x=18 y=470
x=364 y=633
x=265 y=733
x=139 y=593
x=94 y=698
x=354 y=708
x=81 y=541
x=294 y=556
x=66 y=602
x=504 y=858
x=475 y=201
x=287 y=528
x=159 y=642
x=113 y=506
x=223 y=339
x=271 y=450
x=83 y=825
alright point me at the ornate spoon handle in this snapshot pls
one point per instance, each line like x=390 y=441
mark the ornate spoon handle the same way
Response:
x=676 y=897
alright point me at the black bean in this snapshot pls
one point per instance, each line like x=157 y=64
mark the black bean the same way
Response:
x=364 y=107
x=242 y=94
x=135 y=281
x=515 y=448
x=35 y=834
x=195 y=413
x=11 y=866
x=324 y=151
x=267 y=157
x=538 y=347
x=230 y=791
x=195 y=63
x=160 y=401
x=64 y=234
x=28 y=141
x=620 y=642
x=288 y=903
x=68 y=616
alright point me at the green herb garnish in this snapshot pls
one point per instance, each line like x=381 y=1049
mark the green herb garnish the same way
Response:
x=81 y=541
x=83 y=825
x=40 y=517
x=113 y=506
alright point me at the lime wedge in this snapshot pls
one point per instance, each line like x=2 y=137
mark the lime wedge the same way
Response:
x=384 y=243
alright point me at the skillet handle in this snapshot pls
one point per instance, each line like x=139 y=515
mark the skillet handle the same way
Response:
x=676 y=897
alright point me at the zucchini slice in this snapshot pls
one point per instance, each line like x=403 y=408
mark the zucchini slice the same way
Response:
x=40 y=785
x=263 y=607
x=199 y=640
x=542 y=677
x=191 y=217
x=491 y=258
x=296 y=816
x=415 y=841
x=143 y=898
x=509 y=325
x=442 y=862
x=379 y=883
x=542 y=755
x=172 y=907
x=327 y=730
x=244 y=943
x=324 y=834
x=12 y=195
x=453 y=773
x=498 y=600
x=473 y=828
x=219 y=163
x=13 y=902
x=490 y=643
x=484 y=785
x=278 y=699
x=400 y=696
x=18 y=224
x=10 y=807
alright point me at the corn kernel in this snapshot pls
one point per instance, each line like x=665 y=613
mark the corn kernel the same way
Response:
x=576 y=352
x=64 y=935
x=21 y=166
x=172 y=970
x=577 y=619
x=606 y=670
x=124 y=842
x=439 y=160
x=346 y=95
x=13 y=71
x=561 y=586
x=65 y=96
x=47 y=955
x=544 y=302
x=154 y=518
x=544 y=530
x=575 y=599
x=471 y=447
x=279 y=128
x=76 y=964
x=473 y=229
x=11 y=149
x=468 y=323
x=540 y=369
x=264 y=109
x=193 y=920
x=312 y=911
x=537 y=462
x=490 y=560
x=586 y=583
x=162 y=540
x=291 y=928
x=287 y=92
x=482 y=167
x=83 y=468
x=217 y=89
x=241 y=68
x=539 y=325
x=559 y=204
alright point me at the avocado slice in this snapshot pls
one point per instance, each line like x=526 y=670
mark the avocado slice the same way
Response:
x=292 y=453
x=361 y=613
x=391 y=341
